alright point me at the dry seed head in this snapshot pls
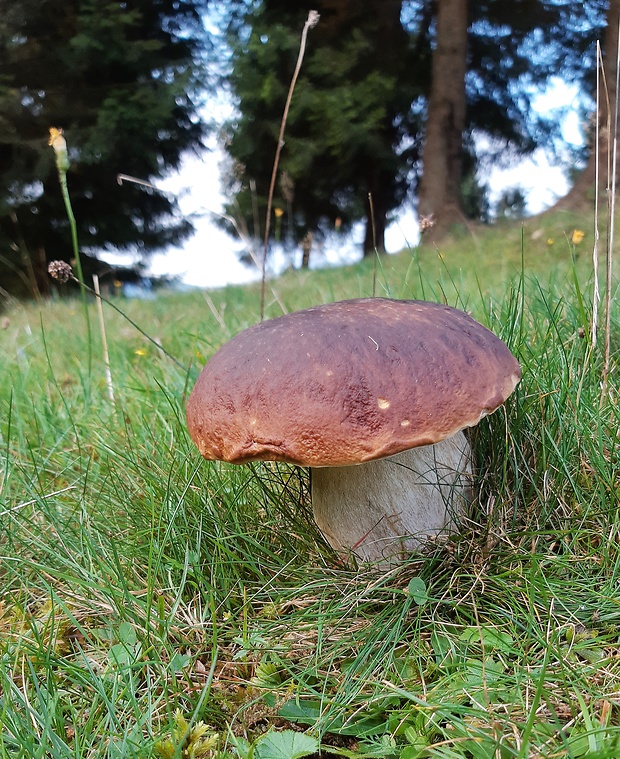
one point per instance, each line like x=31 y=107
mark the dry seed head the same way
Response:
x=61 y=271
x=426 y=223
x=313 y=19
x=577 y=236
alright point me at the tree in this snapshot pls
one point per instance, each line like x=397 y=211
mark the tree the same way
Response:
x=412 y=131
x=598 y=163
x=122 y=79
x=440 y=185
x=511 y=52
x=351 y=127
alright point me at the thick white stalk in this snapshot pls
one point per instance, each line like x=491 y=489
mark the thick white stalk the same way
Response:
x=384 y=510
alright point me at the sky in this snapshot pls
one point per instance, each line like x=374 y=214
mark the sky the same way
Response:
x=210 y=257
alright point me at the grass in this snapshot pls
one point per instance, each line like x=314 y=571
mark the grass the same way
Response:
x=145 y=591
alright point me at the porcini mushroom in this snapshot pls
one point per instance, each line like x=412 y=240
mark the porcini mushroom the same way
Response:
x=373 y=395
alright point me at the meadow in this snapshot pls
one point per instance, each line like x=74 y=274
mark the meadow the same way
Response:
x=153 y=604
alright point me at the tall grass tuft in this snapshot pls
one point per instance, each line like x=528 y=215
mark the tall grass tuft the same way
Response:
x=145 y=589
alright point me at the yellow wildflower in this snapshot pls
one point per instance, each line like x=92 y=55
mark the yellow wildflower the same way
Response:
x=550 y=240
x=140 y=352
x=577 y=236
x=279 y=212
x=58 y=142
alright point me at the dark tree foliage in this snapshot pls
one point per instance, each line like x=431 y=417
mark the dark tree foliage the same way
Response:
x=122 y=80
x=351 y=130
x=358 y=116
x=515 y=50
x=599 y=163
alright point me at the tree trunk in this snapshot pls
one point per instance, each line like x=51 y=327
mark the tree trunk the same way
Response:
x=582 y=193
x=41 y=284
x=440 y=186
x=306 y=246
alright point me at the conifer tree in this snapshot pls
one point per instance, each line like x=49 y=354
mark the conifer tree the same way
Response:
x=122 y=79
x=378 y=111
x=351 y=127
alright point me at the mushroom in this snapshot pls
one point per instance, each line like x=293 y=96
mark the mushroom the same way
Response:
x=373 y=395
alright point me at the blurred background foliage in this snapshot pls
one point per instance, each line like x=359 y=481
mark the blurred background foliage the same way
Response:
x=132 y=85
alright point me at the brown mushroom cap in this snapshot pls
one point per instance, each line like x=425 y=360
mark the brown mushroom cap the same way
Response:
x=348 y=382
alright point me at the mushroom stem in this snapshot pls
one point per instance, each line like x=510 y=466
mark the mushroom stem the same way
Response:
x=386 y=509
